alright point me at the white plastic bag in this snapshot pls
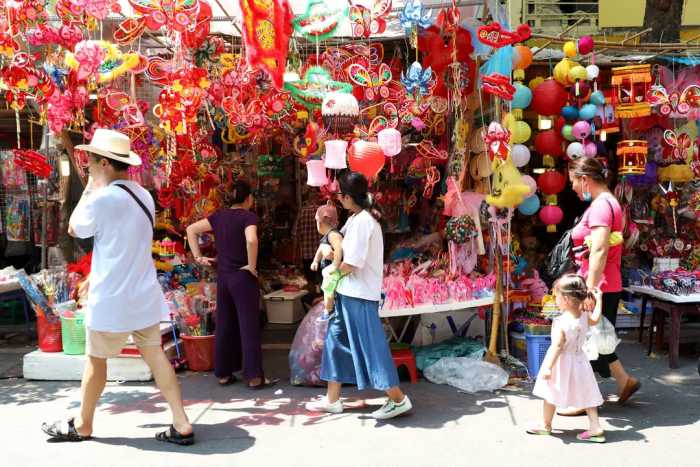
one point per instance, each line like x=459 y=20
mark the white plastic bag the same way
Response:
x=466 y=374
x=605 y=338
x=601 y=339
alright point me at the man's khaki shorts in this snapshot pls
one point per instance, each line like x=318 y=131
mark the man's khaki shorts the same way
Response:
x=102 y=344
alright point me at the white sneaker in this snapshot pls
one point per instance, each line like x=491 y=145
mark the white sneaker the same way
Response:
x=322 y=405
x=391 y=409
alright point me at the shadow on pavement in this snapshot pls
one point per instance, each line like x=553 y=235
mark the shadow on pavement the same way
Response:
x=218 y=438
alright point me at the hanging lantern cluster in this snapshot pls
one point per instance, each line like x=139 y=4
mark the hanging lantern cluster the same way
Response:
x=551 y=183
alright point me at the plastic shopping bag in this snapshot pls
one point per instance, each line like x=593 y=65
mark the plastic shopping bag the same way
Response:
x=307 y=349
x=606 y=339
x=467 y=374
x=601 y=339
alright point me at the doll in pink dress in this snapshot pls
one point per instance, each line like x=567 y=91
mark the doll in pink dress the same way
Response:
x=566 y=377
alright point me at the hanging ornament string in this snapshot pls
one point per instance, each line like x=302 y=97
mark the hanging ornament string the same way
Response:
x=19 y=144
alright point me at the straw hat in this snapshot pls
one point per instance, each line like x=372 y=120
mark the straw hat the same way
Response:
x=112 y=145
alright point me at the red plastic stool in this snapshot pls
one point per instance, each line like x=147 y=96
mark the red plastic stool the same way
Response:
x=405 y=357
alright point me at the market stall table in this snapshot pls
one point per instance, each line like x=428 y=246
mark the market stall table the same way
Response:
x=664 y=302
x=410 y=312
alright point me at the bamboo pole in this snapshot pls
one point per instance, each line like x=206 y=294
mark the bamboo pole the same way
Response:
x=579 y=21
x=492 y=353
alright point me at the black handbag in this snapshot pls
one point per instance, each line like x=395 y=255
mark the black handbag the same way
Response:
x=561 y=259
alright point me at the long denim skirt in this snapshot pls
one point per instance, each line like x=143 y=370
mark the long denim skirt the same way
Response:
x=356 y=349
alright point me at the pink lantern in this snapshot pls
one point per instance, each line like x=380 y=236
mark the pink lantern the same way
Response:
x=390 y=141
x=530 y=182
x=335 y=154
x=551 y=215
x=581 y=130
x=316 y=173
x=591 y=149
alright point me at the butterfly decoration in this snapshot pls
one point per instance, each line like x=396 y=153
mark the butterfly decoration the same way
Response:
x=418 y=80
x=680 y=144
x=412 y=16
x=250 y=114
x=374 y=84
x=678 y=103
x=390 y=119
x=368 y=21
x=676 y=95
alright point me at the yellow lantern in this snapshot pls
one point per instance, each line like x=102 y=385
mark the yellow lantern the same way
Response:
x=570 y=49
x=520 y=133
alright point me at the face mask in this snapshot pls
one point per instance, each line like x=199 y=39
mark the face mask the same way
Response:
x=587 y=196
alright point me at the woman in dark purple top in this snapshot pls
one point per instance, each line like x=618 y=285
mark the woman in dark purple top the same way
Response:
x=237 y=293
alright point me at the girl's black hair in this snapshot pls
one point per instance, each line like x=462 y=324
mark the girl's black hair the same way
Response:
x=356 y=186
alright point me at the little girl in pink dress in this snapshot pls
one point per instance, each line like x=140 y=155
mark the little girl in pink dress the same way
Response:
x=566 y=377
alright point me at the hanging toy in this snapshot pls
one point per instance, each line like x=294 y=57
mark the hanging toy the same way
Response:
x=673 y=200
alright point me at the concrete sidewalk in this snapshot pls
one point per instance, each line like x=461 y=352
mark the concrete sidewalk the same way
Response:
x=236 y=426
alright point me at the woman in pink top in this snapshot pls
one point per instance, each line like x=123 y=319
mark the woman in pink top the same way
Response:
x=601 y=262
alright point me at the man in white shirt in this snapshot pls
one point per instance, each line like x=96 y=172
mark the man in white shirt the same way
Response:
x=124 y=298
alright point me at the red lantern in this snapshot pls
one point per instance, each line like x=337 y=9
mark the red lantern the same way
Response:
x=549 y=98
x=551 y=215
x=366 y=158
x=551 y=182
x=549 y=142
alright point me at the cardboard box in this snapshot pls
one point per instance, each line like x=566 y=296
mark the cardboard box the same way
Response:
x=284 y=307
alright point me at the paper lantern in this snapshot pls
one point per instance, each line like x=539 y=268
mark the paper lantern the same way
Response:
x=631 y=88
x=520 y=132
x=340 y=111
x=551 y=216
x=575 y=150
x=568 y=133
x=581 y=130
x=591 y=149
x=335 y=154
x=549 y=142
x=632 y=157
x=522 y=96
x=570 y=49
x=530 y=206
x=585 y=45
x=570 y=113
x=577 y=73
x=597 y=98
x=548 y=98
x=390 y=141
x=367 y=158
x=522 y=57
x=593 y=72
x=480 y=166
x=588 y=112
x=561 y=71
x=520 y=155
x=316 y=173
x=551 y=182
x=531 y=183
x=534 y=82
